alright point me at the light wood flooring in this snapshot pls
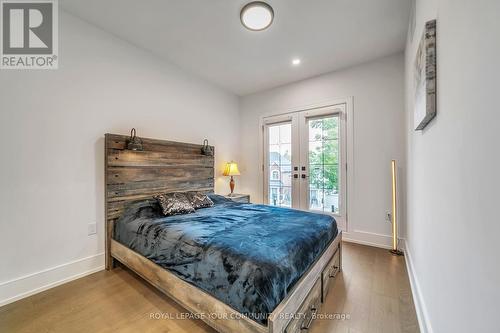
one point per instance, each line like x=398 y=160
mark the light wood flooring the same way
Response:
x=373 y=293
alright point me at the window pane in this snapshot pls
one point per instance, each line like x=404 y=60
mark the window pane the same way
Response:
x=286 y=197
x=330 y=176
x=274 y=176
x=315 y=129
x=330 y=128
x=274 y=135
x=331 y=201
x=316 y=176
x=273 y=195
x=330 y=149
x=286 y=154
x=316 y=152
x=286 y=176
x=316 y=199
x=286 y=133
x=274 y=155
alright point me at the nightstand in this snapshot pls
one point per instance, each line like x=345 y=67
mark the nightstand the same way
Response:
x=244 y=198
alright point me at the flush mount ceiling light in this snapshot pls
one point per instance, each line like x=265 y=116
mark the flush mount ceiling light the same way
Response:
x=257 y=16
x=296 y=62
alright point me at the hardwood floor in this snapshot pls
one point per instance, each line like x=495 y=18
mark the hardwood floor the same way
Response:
x=373 y=293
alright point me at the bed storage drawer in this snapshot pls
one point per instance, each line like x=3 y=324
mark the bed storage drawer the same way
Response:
x=329 y=273
x=303 y=319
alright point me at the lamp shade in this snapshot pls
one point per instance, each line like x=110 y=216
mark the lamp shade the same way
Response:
x=231 y=169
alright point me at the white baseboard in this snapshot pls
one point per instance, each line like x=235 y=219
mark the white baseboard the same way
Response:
x=367 y=238
x=422 y=314
x=13 y=290
x=385 y=242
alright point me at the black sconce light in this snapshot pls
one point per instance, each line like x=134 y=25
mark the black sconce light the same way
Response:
x=207 y=150
x=134 y=143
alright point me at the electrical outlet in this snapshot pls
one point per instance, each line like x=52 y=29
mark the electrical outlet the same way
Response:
x=388 y=216
x=92 y=229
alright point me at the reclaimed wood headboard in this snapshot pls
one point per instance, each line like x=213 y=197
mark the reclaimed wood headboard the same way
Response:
x=162 y=166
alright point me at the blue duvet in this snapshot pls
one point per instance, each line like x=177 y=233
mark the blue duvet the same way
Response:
x=248 y=256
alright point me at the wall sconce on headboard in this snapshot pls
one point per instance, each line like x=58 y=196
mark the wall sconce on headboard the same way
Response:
x=206 y=149
x=134 y=143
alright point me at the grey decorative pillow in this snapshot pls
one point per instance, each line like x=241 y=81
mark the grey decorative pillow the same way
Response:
x=199 y=200
x=174 y=203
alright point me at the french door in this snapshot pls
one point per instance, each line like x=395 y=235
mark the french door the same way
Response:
x=305 y=160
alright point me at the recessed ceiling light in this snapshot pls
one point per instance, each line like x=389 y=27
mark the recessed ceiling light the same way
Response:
x=257 y=15
x=296 y=62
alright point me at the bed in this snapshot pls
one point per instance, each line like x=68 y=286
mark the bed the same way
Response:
x=240 y=267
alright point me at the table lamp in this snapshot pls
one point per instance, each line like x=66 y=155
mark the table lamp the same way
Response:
x=231 y=169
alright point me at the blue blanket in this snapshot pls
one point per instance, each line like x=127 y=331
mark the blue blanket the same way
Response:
x=247 y=256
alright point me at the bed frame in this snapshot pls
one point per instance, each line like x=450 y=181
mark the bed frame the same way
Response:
x=165 y=166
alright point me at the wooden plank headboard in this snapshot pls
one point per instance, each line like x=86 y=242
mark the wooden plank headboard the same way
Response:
x=163 y=166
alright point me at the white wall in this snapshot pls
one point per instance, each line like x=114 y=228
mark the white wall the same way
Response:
x=453 y=172
x=52 y=125
x=378 y=91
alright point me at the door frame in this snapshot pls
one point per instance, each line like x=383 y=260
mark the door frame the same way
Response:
x=348 y=165
x=304 y=117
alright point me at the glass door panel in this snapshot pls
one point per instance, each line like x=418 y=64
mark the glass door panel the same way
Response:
x=323 y=163
x=279 y=164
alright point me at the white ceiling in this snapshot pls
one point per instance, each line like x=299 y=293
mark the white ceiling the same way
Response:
x=206 y=37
